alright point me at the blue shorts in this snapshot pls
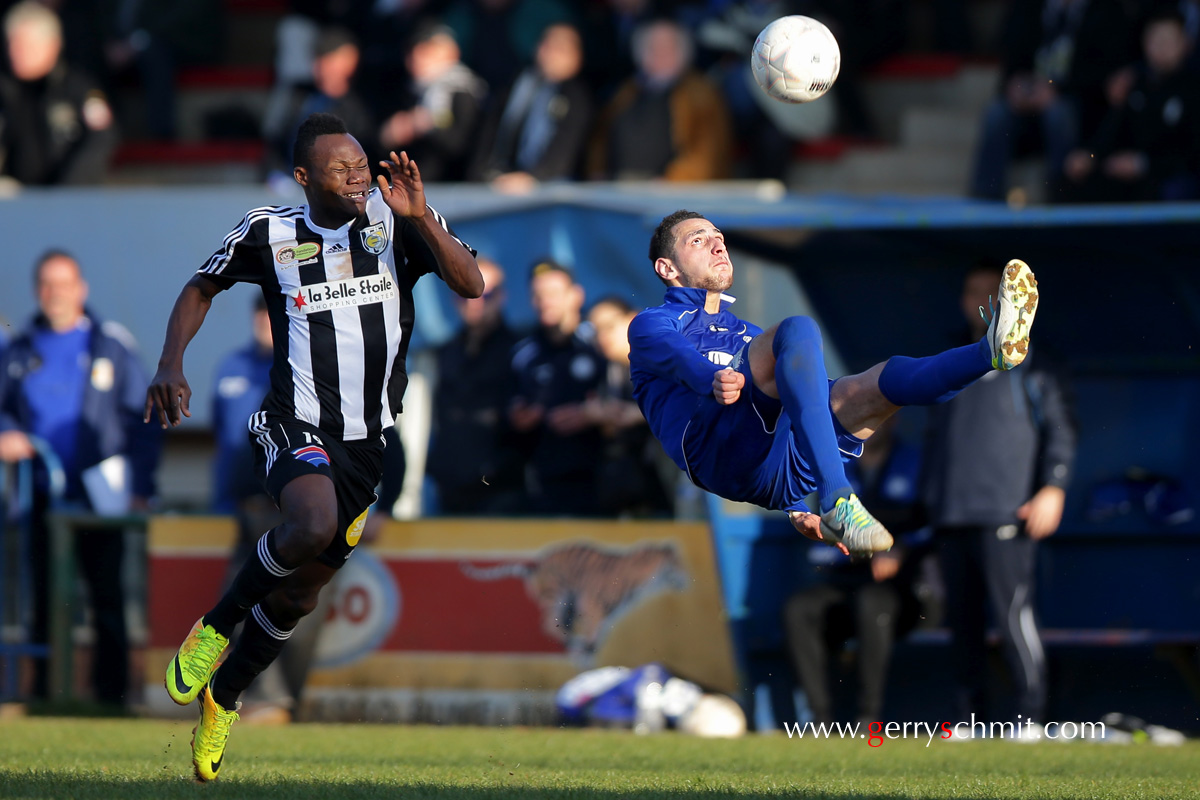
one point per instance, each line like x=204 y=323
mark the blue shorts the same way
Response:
x=745 y=451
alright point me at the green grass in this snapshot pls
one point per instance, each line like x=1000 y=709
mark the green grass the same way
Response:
x=89 y=758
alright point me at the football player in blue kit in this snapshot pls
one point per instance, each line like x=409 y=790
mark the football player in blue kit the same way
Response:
x=752 y=416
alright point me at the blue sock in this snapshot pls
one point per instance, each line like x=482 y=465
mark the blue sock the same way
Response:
x=934 y=379
x=803 y=388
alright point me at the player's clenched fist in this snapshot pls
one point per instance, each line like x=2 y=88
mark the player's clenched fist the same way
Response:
x=727 y=386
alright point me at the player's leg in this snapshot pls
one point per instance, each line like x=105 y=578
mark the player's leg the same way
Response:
x=300 y=479
x=787 y=362
x=267 y=629
x=863 y=401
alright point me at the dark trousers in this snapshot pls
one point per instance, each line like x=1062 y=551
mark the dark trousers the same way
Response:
x=993 y=567
x=825 y=616
x=99 y=555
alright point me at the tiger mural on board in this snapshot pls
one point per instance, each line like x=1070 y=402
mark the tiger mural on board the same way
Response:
x=582 y=589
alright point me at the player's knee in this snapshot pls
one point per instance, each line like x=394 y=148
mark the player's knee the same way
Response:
x=795 y=331
x=291 y=605
x=310 y=530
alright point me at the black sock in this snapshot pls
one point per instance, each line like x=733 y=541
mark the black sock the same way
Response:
x=261 y=573
x=260 y=643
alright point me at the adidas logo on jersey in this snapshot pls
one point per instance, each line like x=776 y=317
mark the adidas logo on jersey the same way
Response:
x=335 y=248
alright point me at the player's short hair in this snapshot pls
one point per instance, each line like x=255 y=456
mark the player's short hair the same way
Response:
x=545 y=265
x=616 y=301
x=331 y=39
x=662 y=241
x=50 y=255
x=319 y=124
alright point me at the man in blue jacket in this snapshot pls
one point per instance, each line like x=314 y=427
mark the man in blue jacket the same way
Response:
x=752 y=416
x=74 y=381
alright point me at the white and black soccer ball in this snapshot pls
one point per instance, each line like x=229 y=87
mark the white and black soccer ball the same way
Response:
x=795 y=59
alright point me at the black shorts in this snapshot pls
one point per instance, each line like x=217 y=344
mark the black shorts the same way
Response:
x=285 y=449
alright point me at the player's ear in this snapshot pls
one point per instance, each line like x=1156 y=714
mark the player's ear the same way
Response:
x=301 y=175
x=665 y=269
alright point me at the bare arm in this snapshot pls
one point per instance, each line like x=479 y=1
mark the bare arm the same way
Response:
x=169 y=389
x=405 y=196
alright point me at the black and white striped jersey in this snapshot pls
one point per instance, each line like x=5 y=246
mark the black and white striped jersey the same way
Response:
x=341 y=309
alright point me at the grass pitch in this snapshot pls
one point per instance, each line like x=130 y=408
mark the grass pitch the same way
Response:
x=88 y=758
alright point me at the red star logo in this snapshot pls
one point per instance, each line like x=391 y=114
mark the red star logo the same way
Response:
x=299 y=300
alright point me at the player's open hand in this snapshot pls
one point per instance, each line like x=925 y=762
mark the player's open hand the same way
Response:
x=404 y=193
x=169 y=391
x=727 y=386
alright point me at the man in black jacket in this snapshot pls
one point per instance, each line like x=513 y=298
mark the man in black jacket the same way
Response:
x=999 y=460
x=56 y=126
x=473 y=459
x=538 y=129
x=1148 y=147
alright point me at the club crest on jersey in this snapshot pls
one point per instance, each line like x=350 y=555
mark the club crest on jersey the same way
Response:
x=374 y=238
x=316 y=456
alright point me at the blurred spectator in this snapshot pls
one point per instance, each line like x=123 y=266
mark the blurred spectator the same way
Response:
x=998 y=461
x=241 y=381
x=875 y=601
x=331 y=90
x=1060 y=53
x=439 y=120
x=668 y=121
x=473 y=460
x=75 y=382
x=630 y=480
x=56 y=126
x=1148 y=147
x=607 y=36
x=157 y=38
x=295 y=48
x=380 y=26
x=499 y=37
x=537 y=130
x=557 y=369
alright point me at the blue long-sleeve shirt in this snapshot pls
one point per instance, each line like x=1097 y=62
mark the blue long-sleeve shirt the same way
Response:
x=674 y=351
x=109 y=420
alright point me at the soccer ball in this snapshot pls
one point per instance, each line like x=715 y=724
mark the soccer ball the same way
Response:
x=795 y=59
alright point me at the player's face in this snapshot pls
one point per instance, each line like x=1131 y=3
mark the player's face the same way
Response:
x=612 y=331
x=556 y=299
x=701 y=260
x=339 y=177
x=979 y=289
x=61 y=292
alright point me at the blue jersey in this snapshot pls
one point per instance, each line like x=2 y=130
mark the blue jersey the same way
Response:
x=745 y=451
x=674 y=351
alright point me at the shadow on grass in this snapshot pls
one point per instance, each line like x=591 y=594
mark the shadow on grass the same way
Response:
x=166 y=787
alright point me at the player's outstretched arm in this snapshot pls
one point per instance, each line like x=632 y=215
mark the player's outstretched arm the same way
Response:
x=169 y=389
x=404 y=194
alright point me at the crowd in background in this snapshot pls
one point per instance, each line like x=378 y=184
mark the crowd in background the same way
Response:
x=515 y=92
